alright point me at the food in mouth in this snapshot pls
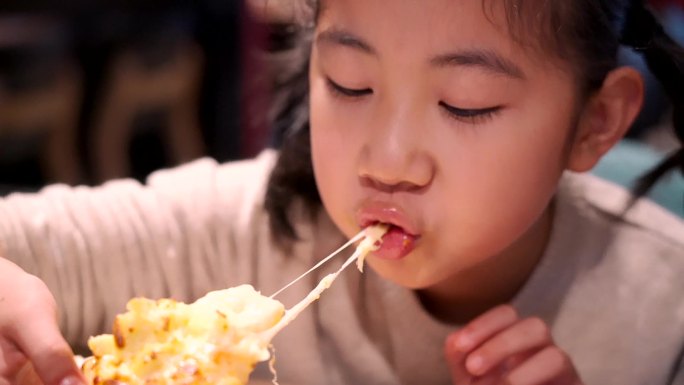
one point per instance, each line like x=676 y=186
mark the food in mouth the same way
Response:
x=396 y=244
x=402 y=234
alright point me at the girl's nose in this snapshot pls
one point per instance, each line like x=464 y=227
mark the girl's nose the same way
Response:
x=395 y=158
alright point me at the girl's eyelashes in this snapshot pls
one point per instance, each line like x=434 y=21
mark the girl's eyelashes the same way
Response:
x=465 y=115
x=469 y=115
x=345 y=92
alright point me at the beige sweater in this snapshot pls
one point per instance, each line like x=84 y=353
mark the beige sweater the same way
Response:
x=610 y=287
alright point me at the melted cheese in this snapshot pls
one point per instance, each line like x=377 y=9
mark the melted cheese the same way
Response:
x=370 y=243
x=214 y=341
x=217 y=340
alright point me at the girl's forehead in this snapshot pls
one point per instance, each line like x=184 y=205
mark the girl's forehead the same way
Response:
x=414 y=17
x=430 y=27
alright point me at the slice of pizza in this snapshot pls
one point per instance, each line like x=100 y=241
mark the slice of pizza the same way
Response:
x=217 y=340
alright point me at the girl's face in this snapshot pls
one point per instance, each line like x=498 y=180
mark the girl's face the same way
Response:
x=427 y=115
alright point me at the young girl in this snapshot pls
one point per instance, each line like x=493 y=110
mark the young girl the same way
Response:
x=460 y=123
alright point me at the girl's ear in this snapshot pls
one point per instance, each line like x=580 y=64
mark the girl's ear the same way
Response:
x=606 y=117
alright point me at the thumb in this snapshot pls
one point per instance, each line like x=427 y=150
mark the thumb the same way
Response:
x=36 y=334
x=456 y=358
x=27 y=376
x=49 y=353
x=31 y=326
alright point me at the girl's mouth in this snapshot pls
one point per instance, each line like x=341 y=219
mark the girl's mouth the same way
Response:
x=402 y=235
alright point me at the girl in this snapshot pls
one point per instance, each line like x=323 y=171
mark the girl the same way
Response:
x=461 y=124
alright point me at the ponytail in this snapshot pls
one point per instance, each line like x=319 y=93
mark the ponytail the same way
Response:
x=665 y=58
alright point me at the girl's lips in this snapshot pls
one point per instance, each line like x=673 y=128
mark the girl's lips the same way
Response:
x=402 y=235
x=381 y=212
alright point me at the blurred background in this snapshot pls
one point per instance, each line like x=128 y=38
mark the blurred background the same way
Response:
x=91 y=91
x=95 y=90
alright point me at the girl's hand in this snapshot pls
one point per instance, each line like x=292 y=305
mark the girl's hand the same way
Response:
x=32 y=350
x=500 y=348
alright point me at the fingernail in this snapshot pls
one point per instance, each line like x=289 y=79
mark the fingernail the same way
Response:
x=475 y=364
x=71 y=380
x=463 y=342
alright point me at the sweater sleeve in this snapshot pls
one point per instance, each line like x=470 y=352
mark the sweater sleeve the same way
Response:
x=96 y=248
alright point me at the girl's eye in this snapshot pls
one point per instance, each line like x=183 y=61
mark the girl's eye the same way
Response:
x=472 y=116
x=338 y=90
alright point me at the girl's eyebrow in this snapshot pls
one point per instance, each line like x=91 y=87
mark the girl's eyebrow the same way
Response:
x=338 y=36
x=485 y=59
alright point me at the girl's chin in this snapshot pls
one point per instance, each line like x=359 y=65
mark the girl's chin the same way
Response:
x=401 y=273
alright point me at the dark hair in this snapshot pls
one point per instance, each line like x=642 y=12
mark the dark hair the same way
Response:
x=665 y=59
x=585 y=33
x=292 y=177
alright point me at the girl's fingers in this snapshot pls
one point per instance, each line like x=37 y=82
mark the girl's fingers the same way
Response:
x=27 y=376
x=54 y=363
x=11 y=359
x=31 y=329
x=492 y=378
x=498 y=348
x=40 y=340
x=550 y=365
x=522 y=337
x=459 y=344
x=485 y=327
x=455 y=360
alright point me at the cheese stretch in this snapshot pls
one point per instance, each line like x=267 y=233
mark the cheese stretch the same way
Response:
x=217 y=340
x=214 y=341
